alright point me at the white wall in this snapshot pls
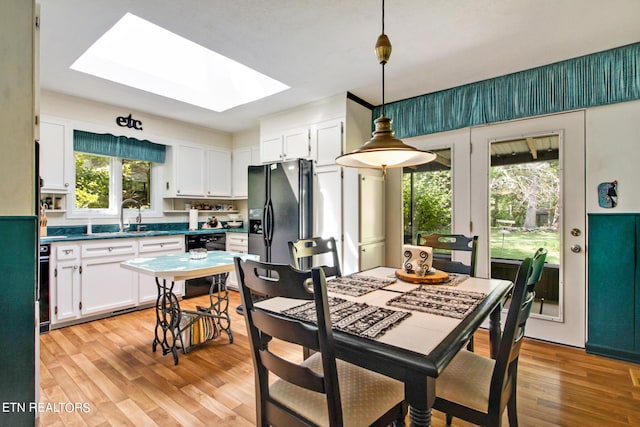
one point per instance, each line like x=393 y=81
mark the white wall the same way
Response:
x=96 y=117
x=17 y=115
x=613 y=153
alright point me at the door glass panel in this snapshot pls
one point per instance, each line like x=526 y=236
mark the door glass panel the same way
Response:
x=426 y=196
x=524 y=212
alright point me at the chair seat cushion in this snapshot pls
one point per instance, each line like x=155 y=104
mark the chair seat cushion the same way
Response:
x=365 y=395
x=466 y=381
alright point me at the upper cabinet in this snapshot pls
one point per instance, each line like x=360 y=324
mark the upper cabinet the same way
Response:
x=198 y=171
x=218 y=169
x=52 y=158
x=326 y=142
x=291 y=144
x=240 y=163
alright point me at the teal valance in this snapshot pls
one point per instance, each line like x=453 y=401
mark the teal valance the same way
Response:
x=598 y=79
x=118 y=146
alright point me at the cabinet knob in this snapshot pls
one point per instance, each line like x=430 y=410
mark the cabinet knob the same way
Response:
x=66 y=184
x=110 y=249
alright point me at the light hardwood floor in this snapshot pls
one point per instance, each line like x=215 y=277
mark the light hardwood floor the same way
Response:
x=107 y=367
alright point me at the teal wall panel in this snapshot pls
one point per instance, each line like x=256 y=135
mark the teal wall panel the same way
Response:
x=18 y=266
x=612 y=282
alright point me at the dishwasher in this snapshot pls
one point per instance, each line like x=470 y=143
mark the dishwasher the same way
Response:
x=210 y=242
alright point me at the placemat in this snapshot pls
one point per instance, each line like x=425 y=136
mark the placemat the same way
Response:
x=356 y=284
x=355 y=318
x=440 y=300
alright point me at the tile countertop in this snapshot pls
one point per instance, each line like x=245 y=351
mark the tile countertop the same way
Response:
x=61 y=236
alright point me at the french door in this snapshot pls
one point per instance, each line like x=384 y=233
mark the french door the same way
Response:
x=473 y=210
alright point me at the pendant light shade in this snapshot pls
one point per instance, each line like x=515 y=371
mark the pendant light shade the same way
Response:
x=384 y=150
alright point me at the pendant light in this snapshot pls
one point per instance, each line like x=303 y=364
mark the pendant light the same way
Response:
x=384 y=150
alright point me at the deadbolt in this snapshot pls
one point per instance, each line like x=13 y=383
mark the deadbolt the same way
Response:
x=575 y=232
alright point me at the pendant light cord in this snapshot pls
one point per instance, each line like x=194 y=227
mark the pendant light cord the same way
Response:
x=383 y=64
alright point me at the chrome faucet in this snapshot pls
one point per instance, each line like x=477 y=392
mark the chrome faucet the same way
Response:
x=138 y=218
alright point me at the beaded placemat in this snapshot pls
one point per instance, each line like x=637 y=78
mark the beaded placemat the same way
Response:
x=356 y=284
x=440 y=300
x=355 y=318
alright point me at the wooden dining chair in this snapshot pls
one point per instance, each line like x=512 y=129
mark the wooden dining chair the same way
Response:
x=477 y=388
x=453 y=243
x=304 y=250
x=319 y=391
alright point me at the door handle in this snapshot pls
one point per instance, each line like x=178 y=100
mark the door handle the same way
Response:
x=576 y=249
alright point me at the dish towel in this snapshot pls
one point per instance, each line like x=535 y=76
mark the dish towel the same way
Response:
x=417 y=256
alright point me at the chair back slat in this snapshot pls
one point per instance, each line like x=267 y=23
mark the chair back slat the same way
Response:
x=522 y=298
x=451 y=242
x=265 y=280
x=306 y=252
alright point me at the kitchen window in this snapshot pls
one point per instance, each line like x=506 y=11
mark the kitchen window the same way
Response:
x=99 y=177
x=109 y=169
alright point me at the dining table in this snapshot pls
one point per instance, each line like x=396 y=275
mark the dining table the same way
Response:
x=171 y=268
x=411 y=330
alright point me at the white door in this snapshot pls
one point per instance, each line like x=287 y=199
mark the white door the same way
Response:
x=568 y=326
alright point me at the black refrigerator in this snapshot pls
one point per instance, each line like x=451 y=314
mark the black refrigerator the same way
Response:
x=280 y=208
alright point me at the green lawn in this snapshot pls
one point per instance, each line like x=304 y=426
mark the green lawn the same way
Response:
x=522 y=244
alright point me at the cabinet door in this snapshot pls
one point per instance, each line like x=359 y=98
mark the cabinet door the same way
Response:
x=372 y=255
x=106 y=286
x=52 y=157
x=612 y=267
x=218 y=173
x=189 y=171
x=296 y=144
x=239 y=169
x=372 y=207
x=327 y=206
x=255 y=156
x=271 y=149
x=65 y=291
x=326 y=142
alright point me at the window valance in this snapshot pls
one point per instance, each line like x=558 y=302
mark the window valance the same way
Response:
x=118 y=146
x=602 y=78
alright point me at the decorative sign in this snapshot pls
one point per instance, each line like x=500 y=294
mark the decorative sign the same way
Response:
x=608 y=194
x=129 y=122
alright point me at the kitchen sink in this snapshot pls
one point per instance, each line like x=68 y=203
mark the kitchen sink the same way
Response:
x=132 y=233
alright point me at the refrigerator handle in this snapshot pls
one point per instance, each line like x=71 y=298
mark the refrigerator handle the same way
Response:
x=269 y=230
x=265 y=224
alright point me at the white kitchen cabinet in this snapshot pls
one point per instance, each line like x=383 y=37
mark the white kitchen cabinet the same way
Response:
x=372 y=207
x=239 y=171
x=218 y=172
x=291 y=144
x=64 y=283
x=52 y=158
x=255 y=156
x=106 y=286
x=150 y=247
x=372 y=255
x=239 y=243
x=185 y=169
x=327 y=204
x=326 y=142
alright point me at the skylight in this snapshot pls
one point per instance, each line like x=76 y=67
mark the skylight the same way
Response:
x=137 y=53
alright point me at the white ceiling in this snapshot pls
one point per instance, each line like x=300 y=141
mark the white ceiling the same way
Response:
x=325 y=47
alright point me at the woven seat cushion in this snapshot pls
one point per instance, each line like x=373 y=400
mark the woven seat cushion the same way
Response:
x=466 y=381
x=365 y=395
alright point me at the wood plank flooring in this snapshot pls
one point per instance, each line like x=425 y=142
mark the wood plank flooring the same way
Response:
x=107 y=368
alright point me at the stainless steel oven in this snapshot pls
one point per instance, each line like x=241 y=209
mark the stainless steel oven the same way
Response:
x=210 y=242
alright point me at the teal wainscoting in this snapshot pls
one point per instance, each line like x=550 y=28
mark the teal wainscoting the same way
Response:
x=614 y=286
x=18 y=265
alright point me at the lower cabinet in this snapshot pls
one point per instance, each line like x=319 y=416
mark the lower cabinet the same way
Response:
x=86 y=279
x=614 y=286
x=236 y=242
x=372 y=255
x=64 y=282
